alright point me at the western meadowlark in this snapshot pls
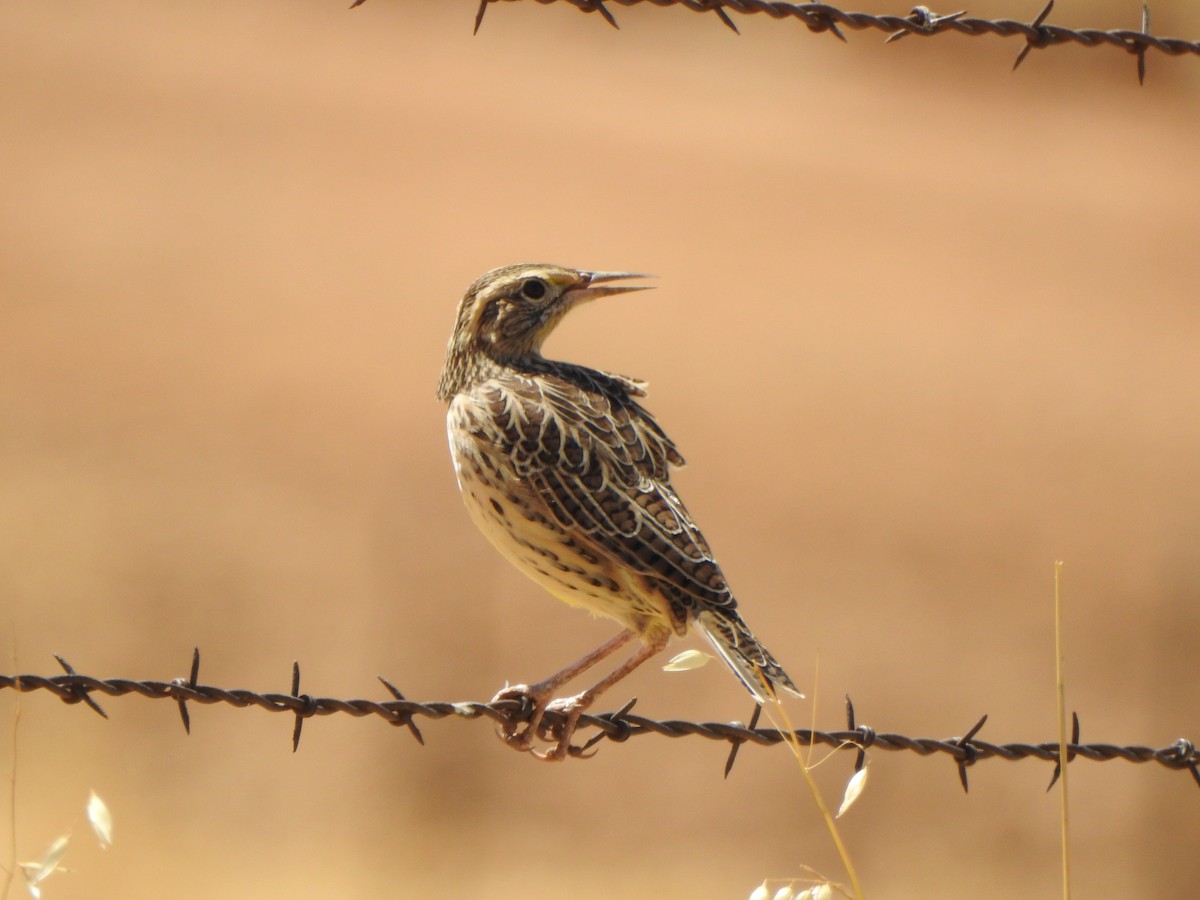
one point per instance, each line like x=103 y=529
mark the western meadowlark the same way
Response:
x=570 y=479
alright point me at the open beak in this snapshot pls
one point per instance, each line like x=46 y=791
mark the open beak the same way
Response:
x=595 y=284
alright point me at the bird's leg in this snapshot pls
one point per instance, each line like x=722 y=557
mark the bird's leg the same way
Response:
x=574 y=707
x=539 y=694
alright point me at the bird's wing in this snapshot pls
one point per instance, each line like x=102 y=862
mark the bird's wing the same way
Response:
x=601 y=464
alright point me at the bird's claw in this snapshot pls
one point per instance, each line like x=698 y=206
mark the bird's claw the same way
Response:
x=561 y=732
x=570 y=708
x=533 y=707
x=560 y=752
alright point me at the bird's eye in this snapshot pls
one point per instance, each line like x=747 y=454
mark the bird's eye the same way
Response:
x=533 y=289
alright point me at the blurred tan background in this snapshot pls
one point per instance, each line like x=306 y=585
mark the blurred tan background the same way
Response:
x=922 y=327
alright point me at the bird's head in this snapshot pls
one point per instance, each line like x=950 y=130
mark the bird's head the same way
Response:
x=507 y=314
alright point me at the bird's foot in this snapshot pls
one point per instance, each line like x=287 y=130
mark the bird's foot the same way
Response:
x=521 y=737
x=570 y=708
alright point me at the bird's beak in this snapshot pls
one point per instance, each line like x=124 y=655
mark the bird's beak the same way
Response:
x=594 y=284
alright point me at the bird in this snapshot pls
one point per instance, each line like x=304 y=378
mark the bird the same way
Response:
x=569 y=477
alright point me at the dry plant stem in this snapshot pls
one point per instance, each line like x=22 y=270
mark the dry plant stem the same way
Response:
x=10 y=869
x=794 y=743
x=812 y=719
x=1064 y=818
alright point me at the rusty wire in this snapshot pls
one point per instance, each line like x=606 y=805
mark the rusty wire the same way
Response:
x=616 y=726
x=821 y=17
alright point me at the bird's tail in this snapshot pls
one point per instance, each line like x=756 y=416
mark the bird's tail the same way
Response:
x=751 y=661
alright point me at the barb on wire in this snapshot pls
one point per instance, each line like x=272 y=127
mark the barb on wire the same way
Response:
x=80 y=694
x=302 y=713
x=867 y=735
x=821 y=17
x=737 y=742
x=615 y=727
x=190 y=683
x=1140 y=49
x=1037 y=37
x=1070 y=755
x=970 y=751
x=926 y=20
x=403 y=719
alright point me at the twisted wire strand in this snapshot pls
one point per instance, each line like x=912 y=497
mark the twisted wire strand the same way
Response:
x=617 y=726
x=821 y=17
x=923 y=22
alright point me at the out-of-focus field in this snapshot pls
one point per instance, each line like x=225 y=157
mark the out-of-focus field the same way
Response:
x=922 y=327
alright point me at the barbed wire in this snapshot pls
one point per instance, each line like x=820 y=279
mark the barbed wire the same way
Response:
x=616 y=727
x=923 y=22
